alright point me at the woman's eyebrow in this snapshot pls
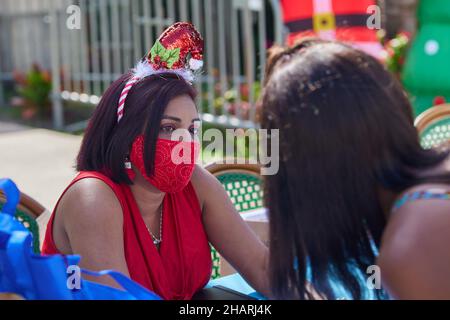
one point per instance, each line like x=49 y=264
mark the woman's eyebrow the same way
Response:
x=178 y=119
x=171 y=118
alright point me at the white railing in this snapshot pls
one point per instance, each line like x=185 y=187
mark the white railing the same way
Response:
x=114 y=34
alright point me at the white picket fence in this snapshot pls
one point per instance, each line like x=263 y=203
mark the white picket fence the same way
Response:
x=114 y=34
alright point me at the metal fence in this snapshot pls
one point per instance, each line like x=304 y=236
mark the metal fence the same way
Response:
x=114 y=34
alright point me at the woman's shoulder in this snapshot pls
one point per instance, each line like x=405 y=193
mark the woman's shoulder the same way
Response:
x=418 y=196
x=415 y=240
x=204 y=183
x=420 y=221
x=88 y=195
x=90 y=189
x=428 y=197
x=201 y=176
x=421 y=205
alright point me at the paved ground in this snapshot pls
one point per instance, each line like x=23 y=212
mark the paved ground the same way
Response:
x=39 y=161
x=11 y=127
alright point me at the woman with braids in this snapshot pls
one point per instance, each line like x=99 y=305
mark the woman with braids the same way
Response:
x=354 y=188
x=139 y=204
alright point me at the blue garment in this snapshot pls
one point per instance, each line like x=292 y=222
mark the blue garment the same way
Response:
x=430 y=194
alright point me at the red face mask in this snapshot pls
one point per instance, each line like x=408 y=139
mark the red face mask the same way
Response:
x=173 y=166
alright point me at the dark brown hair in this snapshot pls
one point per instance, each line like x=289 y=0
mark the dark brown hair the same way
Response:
x=346 y=131
x=107 y=143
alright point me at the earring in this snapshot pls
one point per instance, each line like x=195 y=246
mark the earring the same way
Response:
x=129 y=169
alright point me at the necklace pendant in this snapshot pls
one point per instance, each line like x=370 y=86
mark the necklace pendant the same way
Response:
x=156 y=242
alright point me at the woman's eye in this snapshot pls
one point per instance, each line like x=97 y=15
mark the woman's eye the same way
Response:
x=167 y=129
x=193 y=130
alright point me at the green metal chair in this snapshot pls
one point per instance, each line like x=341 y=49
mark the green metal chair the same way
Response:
x=434 y=126
x=27 y=212
x=243 y=184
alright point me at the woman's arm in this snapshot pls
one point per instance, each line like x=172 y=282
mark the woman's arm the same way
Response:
x=92 y=219
x=415 y=257
x=229 y=233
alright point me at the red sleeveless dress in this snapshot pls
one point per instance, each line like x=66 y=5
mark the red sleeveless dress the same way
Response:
x=183 y=264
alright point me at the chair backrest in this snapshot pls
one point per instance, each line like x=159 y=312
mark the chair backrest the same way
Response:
x=434 y=126
x=243 y=184
x=27 y=212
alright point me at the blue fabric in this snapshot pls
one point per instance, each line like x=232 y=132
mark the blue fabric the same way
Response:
x=420 y=195
x=12 y=194
x=237 y=283
x=45 y=277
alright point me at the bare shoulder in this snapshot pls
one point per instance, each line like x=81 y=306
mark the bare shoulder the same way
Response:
x=204 y=183
x=91 y=225
x=90 y=199
x=416 y=220
x=202 y=177
x=415 y=245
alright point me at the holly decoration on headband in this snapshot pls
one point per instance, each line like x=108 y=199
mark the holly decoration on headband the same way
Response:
x=162 y=57
x=178 y=50
x=179 y=47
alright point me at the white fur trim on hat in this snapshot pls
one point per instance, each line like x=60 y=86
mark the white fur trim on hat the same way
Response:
x=144 y=69
x=195 y=64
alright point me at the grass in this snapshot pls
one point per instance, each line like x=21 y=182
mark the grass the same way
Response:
x=241 y=150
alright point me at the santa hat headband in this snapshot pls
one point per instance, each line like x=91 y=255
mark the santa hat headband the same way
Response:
x=178 y=50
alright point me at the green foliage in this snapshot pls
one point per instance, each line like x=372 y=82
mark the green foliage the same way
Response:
x=396 y=50
x=241 y=143
x=157 y=50
x=170 y=56
x=34 y=88
x=228 y=102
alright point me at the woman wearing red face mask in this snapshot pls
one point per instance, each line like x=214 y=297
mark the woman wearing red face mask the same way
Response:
x=133 y=207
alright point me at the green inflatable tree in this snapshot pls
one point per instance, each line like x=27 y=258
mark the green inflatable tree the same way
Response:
x=426 y=73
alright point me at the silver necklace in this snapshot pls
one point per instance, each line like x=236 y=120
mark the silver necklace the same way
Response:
x=157 y=241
